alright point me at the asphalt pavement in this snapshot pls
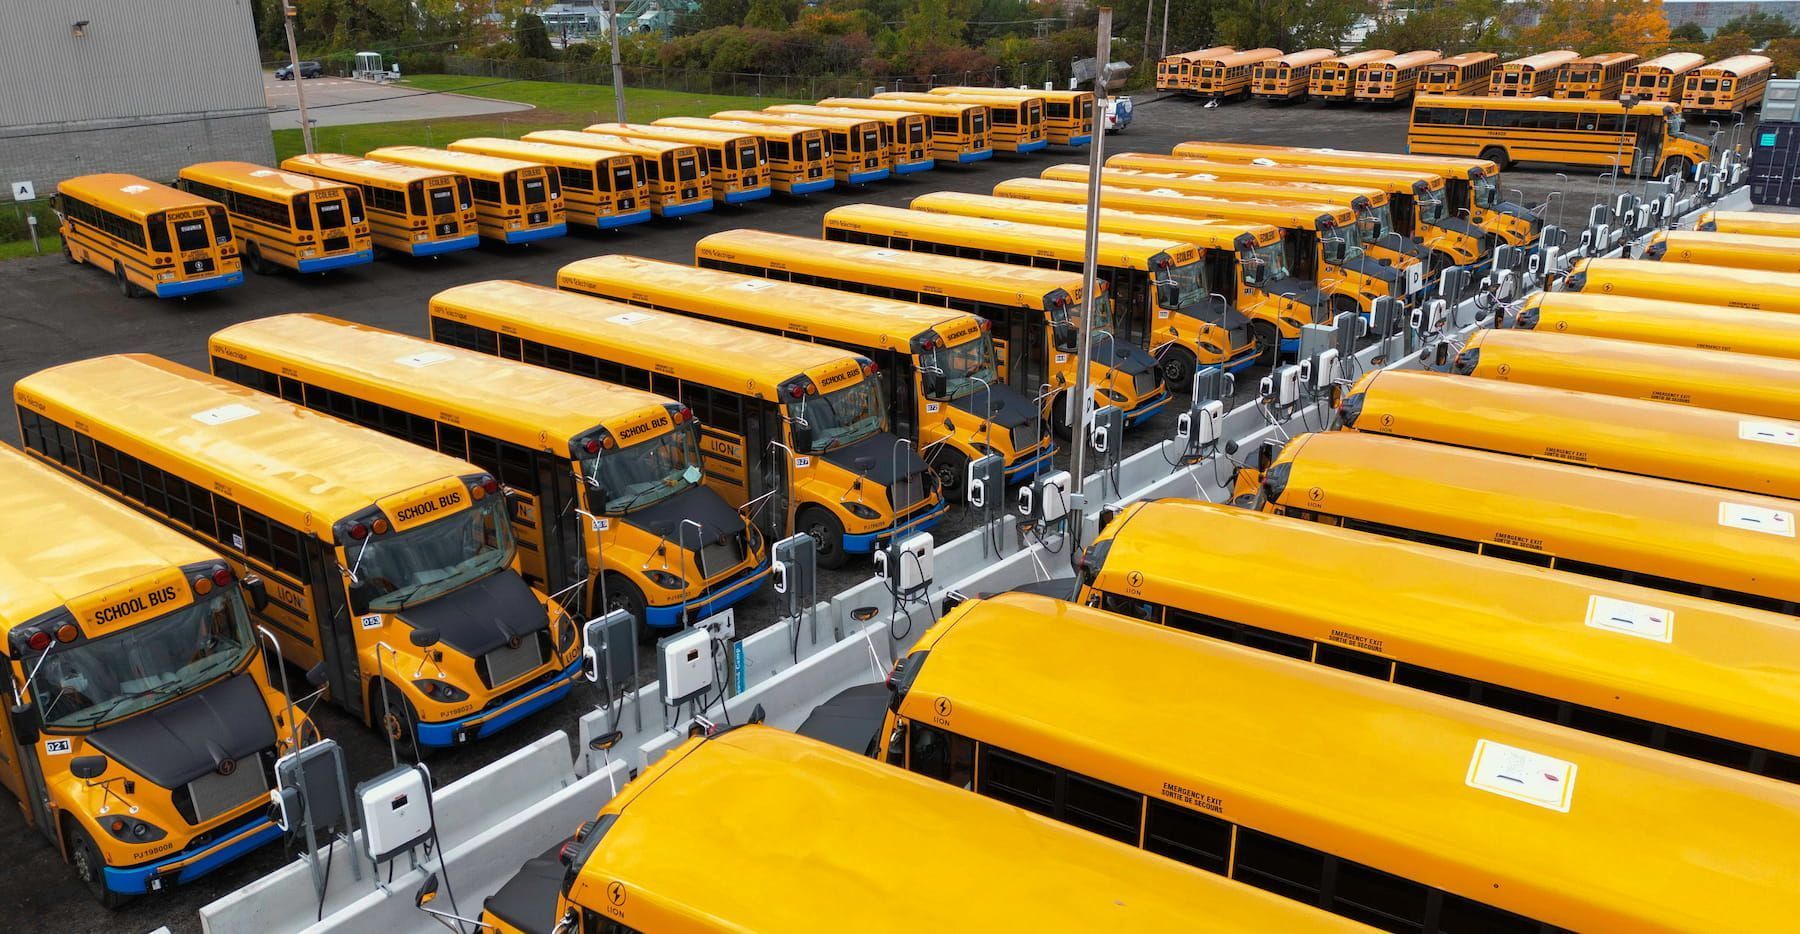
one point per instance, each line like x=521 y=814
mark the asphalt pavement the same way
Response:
x=333 y=101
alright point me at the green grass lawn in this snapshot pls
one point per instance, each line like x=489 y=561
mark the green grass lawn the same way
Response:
x=19 y=249
x=560 y=106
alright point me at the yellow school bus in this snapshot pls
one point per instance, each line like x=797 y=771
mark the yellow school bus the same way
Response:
x=1728 y=546
x=1226 y=75
x=799 y=156
x=1661 y=78
x=1174 y=72
x=675 y=176
x=1654 y=321
x=1161 y=299
x=1035 y=312
x=792 y=433
x=154 y=239
x=1532 y=75
x=1759 y=223
x=515 y=201
x=906 y=135
x=1243 y=263
x=419 y=212
x=858 y=155
x=1594 y=77
x=598 y=478
x=391 y=569
x=1334 y=79
x=937 y=366
x=1392 y=79
x=600 y=190
x=284 y=219
x=957 y=132
x=962 y=864
x=1015 y=124
x=1686 y=282
x=1470 y=185
x=1709 y=379
x=1644 y=139
x=1467 y=74
x=1594 y=656
x=1734 y=251
x=1587 y=429
x=1323 y=241
x=1288 y=77
x=1068 y=115
x=737 y=163
x=1727 y=87
x=131 y=657
x=1365 y=799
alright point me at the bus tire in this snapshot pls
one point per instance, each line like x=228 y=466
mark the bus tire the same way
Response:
x=254 y=259
x=396 y=718
x=69 y=252
x=126 y=287
x=1677 y=165
x=90 y=866
x=1177 y=368
x=1497 y=155
x=622 y=594
x=1268 y=342
x=952 y=470
x=827 y=533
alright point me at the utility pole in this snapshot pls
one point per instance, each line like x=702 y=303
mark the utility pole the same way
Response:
x=1078 y=439
x=1149 y=10
x=1165 y=38
x=612 y=23
x=287 y=19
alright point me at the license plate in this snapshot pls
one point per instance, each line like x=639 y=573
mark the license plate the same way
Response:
x=198 y=265
x=445 y=230
x=537 y=217
x=812 y=173
x=689 y=192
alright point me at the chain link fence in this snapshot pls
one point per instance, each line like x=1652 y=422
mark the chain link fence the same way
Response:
x=750 y=84
x=15 y=228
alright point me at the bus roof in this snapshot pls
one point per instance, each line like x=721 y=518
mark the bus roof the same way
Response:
x=980 y=280
x=1443 y=165
x=927 y=107
x=1400 y=780
x=257 y=179
x=1676 y=531
x=533 y=151
x=308 y=469
x=606 y=142
x=670 y=133
x=1558 y=105
x=1408 y=59
x=776 y=866
x=1222 y=234
x=1306 y=57
x=1119 y=250
x=1606 y=58
x=1542 y=60
x=99 y=543
x=361 y=167
x=468 y=163
x=1305 y=194
x=989 y=101
x=1391 y=181
x=128 y=194
x=1460 y=60
x=1500 y=622
x=864 y=320
x=793 y=118
x=1208 y=52
x=1741 y=288
x=1672 y=62
x=1712 y=244
x=1284 y=214
x=1740 y=65
x=1017 y=93
x=845 y=110
x=1231 y=57
x=539 y=408
x=687 y=348
x=1359 y=58
x=739 y=127
x=1662 y=321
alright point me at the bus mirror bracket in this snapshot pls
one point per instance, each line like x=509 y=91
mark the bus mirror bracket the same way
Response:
x=258 y=589
x=801 y=432
x=317 y=675
x=1167 y=295
x=24 y=723
x=1064 y=334
x=934 y=382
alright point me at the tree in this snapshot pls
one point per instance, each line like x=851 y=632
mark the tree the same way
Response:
x=1785 y=53
x=1726 y=44
x=1592 y=25
x=532 y=38
x=1287 y=24
x=1688 y=33
x=1449 y=25
x=1762 y=28
x=712 y=14
x=774 y=15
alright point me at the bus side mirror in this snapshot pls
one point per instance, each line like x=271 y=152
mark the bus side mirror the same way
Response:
x=317 y=675
x=24 y=723
x=1167 y=294
x=88 y=768
x=258 y=589
x=427 y=891
x=802 y=435
x=424 y=637
x=935 y=382
x=1063 y=333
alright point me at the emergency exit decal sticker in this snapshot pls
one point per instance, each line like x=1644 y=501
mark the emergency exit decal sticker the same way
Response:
x=1522 y=775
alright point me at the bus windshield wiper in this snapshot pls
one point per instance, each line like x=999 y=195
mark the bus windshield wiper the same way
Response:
x=107 y=712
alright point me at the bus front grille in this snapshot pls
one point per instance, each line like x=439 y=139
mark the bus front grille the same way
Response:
x=506 y=664
x=907 y=491
x=1144 y=383
x=1024 y=436
x=718 y=557
x=214 y=794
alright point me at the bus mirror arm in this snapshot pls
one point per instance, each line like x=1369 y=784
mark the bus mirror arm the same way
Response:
x=258 y=589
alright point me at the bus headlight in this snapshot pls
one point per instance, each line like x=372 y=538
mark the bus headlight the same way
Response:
x=1114 y=395
x=861 y=511
x=666 y=580
x=439 y=691
x=130 y=829
x=1294 y=323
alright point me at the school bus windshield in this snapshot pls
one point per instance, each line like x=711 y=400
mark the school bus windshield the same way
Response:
x=1375 y=223
x=645 y=473
x=1339 y=241
x=1266 y=263
x=1487 y=191
x=390 y=572
x=1433 y=210
x=844 y=416
x=968 y=367
x=83 y=685
x=1190 y=285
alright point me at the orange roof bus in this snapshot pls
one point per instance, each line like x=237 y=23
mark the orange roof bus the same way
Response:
x=1531 y=76
x=1392 y=80
x=1687 y=282
x=1708 y=379
x=1587 y=429
x=515 y=201
x=1286 y=78
x=1172 y=71
x=1735 y=251
x=1761 y=223
x=959 y=132
x=419 y=212
x=738 y=163
x=674 y=173
x=1334 y=79
x=1015 y=124
x=600 y=189
x=1726 y=87
x=155 y=240
x=859 y=154
x=1642 y=139
x=1466 y=74
x=1068 y=115
x=1594 y=77
x=1661 y=78
x=1655 y=321
x=907 y=136
x=1227 y=74
x=800 y=160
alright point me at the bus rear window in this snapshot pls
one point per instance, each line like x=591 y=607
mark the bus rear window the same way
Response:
x=687 y=169
x=462 y=192
x=746 y=157
x=815 y=149
x=624 y=178
x=443 y=201
x=159 y=232
x=871 y=140
x=191 y=235
x=331 y=215
x=220 y=225
x=356 y=205
x=303 y=212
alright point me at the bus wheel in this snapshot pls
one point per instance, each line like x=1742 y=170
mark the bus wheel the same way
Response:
x=254 y=259
x=1177 y=368
x=952 y=470
x=399 y=722
x=126 y=287
x=90 y=866
x=1268 y=343
x=622 y=594
x=828 y=536
x=69 y=252
x=1678 y=165
x=1496 y=155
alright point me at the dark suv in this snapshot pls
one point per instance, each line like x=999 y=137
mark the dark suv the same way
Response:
x=307 y=70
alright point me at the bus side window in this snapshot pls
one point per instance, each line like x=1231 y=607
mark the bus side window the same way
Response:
x=941 y=754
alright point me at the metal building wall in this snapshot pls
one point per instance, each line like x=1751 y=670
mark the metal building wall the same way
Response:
x=149 y=86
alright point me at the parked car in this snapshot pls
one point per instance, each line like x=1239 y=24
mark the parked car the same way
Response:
x=1118 y=114
x=307 y=70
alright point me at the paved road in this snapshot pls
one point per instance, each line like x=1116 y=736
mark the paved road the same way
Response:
x=341 y=101
x=58 y=313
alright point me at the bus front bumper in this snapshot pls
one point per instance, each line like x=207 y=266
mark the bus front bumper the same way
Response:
x=452 y=245
x=1028 y=467
x=807 y=188
x=975 y=156
x=542 y=233
x=178 y=868
x=922 y=165
x=747 y=194
x=1148 y=409
x=196 y=286
x=869 y=541
x=328 y=263
x=692 y=207
x=626 y=219
x=670 y=616
x=873 y=175
x=487 y=722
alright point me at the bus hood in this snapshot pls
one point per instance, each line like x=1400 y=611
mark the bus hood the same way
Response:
x=1458 y=226
x=1374 y=269
x=1295 y=289
x=1006 y=405
x=180 y=741
x=1129 y=359
x=878 y=458
x=477 y=618
x=718 y=521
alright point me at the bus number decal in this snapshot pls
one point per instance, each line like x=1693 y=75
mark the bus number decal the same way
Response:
x=1522 y=775
x=56 y=747
x=371 y=621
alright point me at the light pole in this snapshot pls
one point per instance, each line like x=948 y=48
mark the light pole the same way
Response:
x=618 y=70
x=1090 y=248
x=287 y=20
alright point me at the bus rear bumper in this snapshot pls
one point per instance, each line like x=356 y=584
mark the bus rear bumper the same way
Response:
x=196 y=286
x=1081 y=140
x=873 y=175
x=626 y=219
x=806 y=188
x=494 y=719
x=975 y=156
x=869 y=541
x=186 y=867
x=747 y=194
x=328 y=263
x=922 y=165
x=670 y=616
x=452 y=245
x=692 y=207
x=1033 y=146
x=542 y=233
